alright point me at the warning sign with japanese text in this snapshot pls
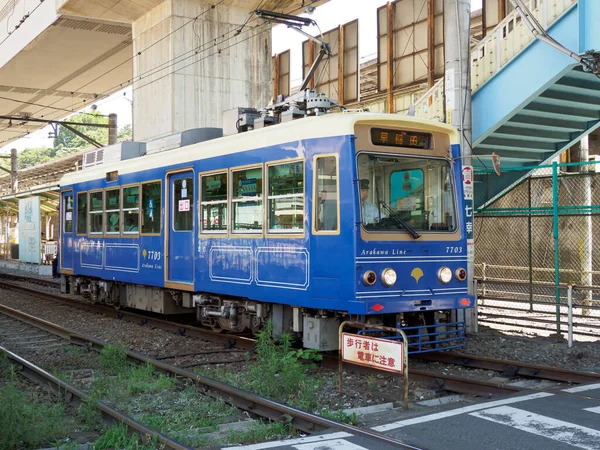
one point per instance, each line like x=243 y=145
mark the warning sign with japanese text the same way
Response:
x=380 y=354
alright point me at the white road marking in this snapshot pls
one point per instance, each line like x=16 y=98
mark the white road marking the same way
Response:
x=594 y=410
x=338 y=444
x=309 y=439
x=585 y=387
x=459 y=411
x=557 y=430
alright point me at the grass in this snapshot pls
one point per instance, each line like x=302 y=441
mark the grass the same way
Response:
x=29 y=417
x=280 y=373
x=117 y=437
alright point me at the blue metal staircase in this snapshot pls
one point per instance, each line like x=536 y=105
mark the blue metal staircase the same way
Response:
x=539 y=103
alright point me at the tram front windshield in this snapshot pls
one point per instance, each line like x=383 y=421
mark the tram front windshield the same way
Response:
x=406 y=194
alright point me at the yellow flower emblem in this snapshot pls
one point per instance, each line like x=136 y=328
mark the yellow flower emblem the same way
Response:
x=416 y=274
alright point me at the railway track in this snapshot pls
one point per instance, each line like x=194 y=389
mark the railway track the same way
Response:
x=434 y=380
x=512 y=369
x=50 y=335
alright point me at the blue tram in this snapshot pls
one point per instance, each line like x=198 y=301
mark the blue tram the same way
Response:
x=307 y=223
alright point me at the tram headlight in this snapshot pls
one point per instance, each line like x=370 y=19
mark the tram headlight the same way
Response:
x=444 y=275
x=388 y=277
x=460 y=274
x=369 y=278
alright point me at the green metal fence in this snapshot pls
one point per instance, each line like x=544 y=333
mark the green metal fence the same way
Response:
x=535 y=240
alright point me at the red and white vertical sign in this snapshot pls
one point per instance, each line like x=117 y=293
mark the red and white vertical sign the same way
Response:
x=467 y=177
x=380 y=354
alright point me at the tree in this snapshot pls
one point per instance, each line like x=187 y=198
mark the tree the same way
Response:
x=125 y=133
x=32 y=157
x=68 y=142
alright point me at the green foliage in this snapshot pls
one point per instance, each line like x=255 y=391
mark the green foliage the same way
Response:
x=25 y=422
x=66 y=139
x=309 y=356
x=125 y=133
x=117 y=437
x=278 y=374
x=89 y=413
x=114 y=359
x=261 y=432
x=339 y=416
x=142 y=379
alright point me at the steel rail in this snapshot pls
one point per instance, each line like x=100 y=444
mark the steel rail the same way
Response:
x=141 y=319
x=76 y=397
x=436 y=380
x=439 y=381
x=240 y=398
x=514 y=368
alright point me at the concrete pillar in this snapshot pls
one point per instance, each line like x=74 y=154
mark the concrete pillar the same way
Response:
x=187 y=79
x=14 y=171
x=112 y=130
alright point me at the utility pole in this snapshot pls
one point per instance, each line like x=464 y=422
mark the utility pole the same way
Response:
x=14 y=173
x=112 y=129
x=457 y=21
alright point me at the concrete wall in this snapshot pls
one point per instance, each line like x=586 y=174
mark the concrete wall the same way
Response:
x=215 y=70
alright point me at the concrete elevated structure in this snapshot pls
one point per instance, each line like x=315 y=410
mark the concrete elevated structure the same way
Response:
x=188 y=60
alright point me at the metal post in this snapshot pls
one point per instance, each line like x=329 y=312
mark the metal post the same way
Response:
x=556 y=247
x=530 y=242
x=390 y=57
x=341 y=64
x=276 y=77
x=457 y=22
x=582 y=151
x=14 y=171
x=430 y=44
x=570 y=313
x=112 y=129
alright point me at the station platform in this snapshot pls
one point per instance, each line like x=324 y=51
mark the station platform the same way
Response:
x=16 y=267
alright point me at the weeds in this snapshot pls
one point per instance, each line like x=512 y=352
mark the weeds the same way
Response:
x=114 y=359
x=26 y=421
x=261 y=432
x=117 y=437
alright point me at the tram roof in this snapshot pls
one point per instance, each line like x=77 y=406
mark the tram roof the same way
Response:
x=308 y=128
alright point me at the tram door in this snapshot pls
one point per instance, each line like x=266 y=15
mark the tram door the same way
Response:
x=181 y=228
x=326 y=244
x=66 y=241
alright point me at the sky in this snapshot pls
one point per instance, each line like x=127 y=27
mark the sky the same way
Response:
x=327 y=16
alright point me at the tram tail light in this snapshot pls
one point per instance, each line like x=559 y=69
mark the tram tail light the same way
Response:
x=460 y=274
x=369 y=278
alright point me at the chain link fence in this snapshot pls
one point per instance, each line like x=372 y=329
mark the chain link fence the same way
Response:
x=535 y=249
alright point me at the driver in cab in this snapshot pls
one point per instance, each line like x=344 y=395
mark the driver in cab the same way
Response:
x=369 y=212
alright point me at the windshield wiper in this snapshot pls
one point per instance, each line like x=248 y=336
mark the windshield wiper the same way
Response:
x=399 y=222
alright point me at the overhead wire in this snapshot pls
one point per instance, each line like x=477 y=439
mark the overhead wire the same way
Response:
x=139 y=53
x=181 y=68
x=23 y=19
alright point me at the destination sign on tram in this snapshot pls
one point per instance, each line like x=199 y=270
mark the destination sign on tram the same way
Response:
x=400 y=138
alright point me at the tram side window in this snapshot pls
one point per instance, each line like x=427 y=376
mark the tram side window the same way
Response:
x=131 y=209
x=247 y=200
x=326 y=188
x=286 y=197
x=96 y=212
x=214 y=202
x=113 y=213
x=82 y=210
x=151 y=207
x=68 y=218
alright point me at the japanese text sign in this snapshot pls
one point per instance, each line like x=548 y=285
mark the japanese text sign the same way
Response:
x=380 y=354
